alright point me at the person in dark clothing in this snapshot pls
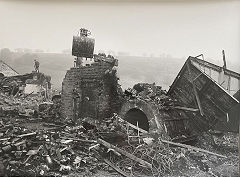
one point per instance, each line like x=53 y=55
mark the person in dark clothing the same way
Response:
x=36 y=66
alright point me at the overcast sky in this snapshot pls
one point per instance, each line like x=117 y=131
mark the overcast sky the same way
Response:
x=178 y=28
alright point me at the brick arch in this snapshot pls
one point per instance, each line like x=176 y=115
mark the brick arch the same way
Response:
x=150 y=110
x=1 y=75
x=137 y=117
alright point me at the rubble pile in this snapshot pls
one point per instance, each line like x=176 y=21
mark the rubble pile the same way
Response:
x=36 y=153
x=50 y=111
x=29 y=106
x=62 y=149
x=11 y=85
x=56 y=149
x=150 y=93
x=159 y=158
x=42 y=143
x=19 y=106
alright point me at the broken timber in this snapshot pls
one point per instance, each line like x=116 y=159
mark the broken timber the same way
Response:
x=193 y=85
x=20 y=136
x=186 y=109
x=193 y=148
x=133 y=126
x=115 y=168
x=195 y=91
x=108 y=145
x=81 y=140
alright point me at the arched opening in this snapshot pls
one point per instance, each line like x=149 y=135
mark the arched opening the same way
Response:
x=1 y=75
x=56 y=98
x=136 y=115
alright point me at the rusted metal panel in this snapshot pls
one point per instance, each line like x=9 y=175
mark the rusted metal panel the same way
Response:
x=211 y=98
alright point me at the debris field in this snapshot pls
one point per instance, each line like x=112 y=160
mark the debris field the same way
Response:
x=94 y=128
x=36 y=142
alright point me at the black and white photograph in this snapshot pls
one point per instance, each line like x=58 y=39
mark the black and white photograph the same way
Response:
x=111 y=88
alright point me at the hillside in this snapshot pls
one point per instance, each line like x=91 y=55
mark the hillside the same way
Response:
x=52 y=64
x=162 y=71
x=131 y=70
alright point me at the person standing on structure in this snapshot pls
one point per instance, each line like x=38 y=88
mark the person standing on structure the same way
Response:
x=36 y=66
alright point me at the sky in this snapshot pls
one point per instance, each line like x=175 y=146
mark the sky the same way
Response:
x=176 y=28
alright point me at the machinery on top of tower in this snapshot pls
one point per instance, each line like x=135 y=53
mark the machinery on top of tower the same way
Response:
x=83 y=45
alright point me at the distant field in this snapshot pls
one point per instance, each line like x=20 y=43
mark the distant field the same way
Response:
x=131 y=70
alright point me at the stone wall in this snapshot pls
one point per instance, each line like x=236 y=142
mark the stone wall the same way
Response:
x=96 y=86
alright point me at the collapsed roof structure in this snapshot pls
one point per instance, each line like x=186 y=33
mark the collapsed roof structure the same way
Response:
x=6 y=70
x=209 y=88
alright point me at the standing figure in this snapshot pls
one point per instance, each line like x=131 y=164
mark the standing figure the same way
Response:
x=36 y=66
x=78 y=62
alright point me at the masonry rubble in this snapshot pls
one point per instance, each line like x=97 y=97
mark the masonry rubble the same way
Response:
x=38 y=140
x=92 y=126
x=57 y=147
x=26 y=84
x=22 y=94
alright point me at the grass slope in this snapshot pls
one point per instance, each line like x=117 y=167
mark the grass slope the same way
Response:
x=131 y=70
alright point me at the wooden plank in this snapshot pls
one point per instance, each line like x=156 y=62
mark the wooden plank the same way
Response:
x=186 y=108
x=204 y=88
x=81 y=140
x=4 y=139
x=133 y=126
x=197 y=77
x=217 y=106
x=27 y=134
x=195 y=92
x=176 y=119
x=206 y=64
x=108 y=145
x=157 y=122
x=20 y=136
x=193 y=148
x=115 y=168
x=100 y=157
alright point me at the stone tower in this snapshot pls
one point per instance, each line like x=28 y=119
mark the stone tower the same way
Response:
x=91 y=90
